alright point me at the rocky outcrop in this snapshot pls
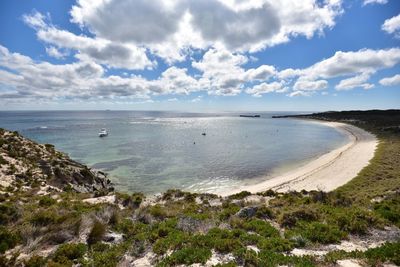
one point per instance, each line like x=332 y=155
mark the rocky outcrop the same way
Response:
x=24 y=163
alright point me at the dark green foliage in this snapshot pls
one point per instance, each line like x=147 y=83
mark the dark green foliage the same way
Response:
x=36 y=261
x=2 y=160
x=97 y=233
x=45 y=217
x=290 y=219
x=8 y=213
x=318 y=232
x=229 y=209
x=240 y=195
x=46 y=201
x=173 y=193
x=264 y=212
x=275 y=244
x=8 y=239
x=158 y=211
x=387 y=252
x=258 y=226
x=389 y=209
x=66 y=253
x=107 y=256
x=187 y=256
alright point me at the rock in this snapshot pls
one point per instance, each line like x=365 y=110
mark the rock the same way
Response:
x=189 y=224
x=247 y=212
x=112 y=237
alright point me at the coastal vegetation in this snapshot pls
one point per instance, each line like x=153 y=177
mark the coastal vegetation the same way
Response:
x=57 y=212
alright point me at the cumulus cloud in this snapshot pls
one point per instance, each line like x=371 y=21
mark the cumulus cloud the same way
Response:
x=305 y=85
x=171 y=28
x=368 y=2
x=102 y=51
x=392 y=26
x=390 y=81
x=54 y=52
x=354 y=82
x=264 y=88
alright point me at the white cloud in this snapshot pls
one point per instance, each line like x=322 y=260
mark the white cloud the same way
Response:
x=368 y=2
x=305 y=85
x=300 y=93
x=197 y=99
x=112 y=54
x=354 y=82
x=390 y=81
x=392 y=26
x=261 y=73
x=348 y=63
x=263 y=88
x=54 y=52
x=171 y=28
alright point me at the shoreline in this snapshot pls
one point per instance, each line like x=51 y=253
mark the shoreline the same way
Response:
x=326 y=172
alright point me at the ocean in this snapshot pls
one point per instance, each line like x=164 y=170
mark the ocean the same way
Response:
x=152 y=151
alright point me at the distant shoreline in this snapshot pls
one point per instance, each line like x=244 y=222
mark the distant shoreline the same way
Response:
x=326 y=172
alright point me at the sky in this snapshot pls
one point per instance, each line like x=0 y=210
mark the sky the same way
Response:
x=201 y=56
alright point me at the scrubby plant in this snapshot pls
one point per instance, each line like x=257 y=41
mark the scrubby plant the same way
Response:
x=97 y=233
x=46 y=201
x=240 y=195
x=187 y=256
x=35 y=261
x=8 y=213
x=8 y=239
x=318 y=232
x=66 y=253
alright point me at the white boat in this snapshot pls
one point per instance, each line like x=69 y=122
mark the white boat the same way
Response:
x=103 y=132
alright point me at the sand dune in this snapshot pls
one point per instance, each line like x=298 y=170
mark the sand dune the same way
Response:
x=326 y=172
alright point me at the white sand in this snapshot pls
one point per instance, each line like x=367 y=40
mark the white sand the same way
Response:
x=326 y=172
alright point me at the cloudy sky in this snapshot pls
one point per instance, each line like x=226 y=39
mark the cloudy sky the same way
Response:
x=200 y=55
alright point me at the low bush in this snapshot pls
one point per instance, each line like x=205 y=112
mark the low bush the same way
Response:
x=66 y=253
x=318 y=232
x=8 y=239
x=187 y=256
x=35 y=261
x=47 y=201
x=97 y=233
x=387 y=252
x=240 y=195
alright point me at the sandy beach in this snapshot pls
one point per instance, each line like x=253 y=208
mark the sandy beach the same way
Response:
x=326 y=172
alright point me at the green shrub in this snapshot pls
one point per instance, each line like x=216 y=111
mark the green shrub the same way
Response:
x=47 y=201
x=158 y=211
x=228 y=210
x=354 y=220
x=275 y=244
x=2 y=160
x=187 y=256
x=240 y=195
x=264 y=212
x=8 y=239
x=44 y=218
x=8 y=213
x=35 y=261
x=290 y=219
x=384 y=253
x=69 y=252
x=319 y=232
x=97 y=233
x=262 y=228
x=389 y=209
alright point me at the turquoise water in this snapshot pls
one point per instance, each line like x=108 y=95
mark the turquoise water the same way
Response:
x=155 y=151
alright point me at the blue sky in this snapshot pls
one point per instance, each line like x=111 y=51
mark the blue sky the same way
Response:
x=211 y=55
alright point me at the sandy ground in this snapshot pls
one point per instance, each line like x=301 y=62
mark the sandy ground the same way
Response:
x=326 y=172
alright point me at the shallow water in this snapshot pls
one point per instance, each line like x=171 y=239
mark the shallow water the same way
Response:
x=155 y=151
